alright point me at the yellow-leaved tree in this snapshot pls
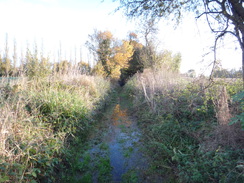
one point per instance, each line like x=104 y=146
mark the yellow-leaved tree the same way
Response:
x=121 y=58
x=110 y=56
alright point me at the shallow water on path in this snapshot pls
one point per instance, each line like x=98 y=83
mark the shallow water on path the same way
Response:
x=123 y=140
x=121 y=145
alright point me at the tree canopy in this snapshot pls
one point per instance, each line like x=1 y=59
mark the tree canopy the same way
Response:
x=111 y=55
x=223 y=16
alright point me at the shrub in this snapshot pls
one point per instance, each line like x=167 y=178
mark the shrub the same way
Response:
x=180 y=126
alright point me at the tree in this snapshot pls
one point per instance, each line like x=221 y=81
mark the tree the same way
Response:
x=84 y=68
x=191 y=73
x=111 y=55
x=15 y=59
x=31 y=62
x=223 y=16
x=169 y=61
x=224 y=73
x=135 y=64
x=63 y=67
x=34 y=65
x=148 y=54
x=100 y=44
x=1 y=66
x=6 y=64
x=120 y=60
x=21 y=67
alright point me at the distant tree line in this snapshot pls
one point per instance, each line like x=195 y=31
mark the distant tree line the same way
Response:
x=121 y=59
x=224 y=73
x=115 y=59
x=33 y=63
x=219 y=72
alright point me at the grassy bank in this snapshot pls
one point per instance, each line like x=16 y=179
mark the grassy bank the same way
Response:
x=186 y=128
x=39 y=119
x=87 y=159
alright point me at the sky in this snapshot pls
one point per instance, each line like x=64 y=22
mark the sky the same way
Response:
x=69 y=22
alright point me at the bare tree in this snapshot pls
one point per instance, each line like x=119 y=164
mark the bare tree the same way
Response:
x=7 y=61
x=14 y=58
x=223 y=16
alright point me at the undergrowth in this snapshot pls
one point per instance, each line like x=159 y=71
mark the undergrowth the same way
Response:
x=182 y=131
x=88 y=159
x=39 y=120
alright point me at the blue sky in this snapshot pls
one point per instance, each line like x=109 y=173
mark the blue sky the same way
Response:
x=70 y=22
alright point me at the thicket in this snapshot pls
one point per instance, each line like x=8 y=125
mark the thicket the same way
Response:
x=40 y=118
x=186 y=125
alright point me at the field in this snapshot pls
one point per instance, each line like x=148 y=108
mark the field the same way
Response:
x=50 y=128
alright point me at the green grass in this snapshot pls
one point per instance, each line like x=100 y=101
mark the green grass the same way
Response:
x=40 y=119
x=130 y=177
x=181 y=133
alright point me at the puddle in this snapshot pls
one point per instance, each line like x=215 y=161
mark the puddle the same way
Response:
x=120 y=148
x=123 y=141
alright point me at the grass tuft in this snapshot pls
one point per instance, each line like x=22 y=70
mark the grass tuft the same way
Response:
x=39 y=118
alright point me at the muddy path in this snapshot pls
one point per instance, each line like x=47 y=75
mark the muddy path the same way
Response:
x=115 y=152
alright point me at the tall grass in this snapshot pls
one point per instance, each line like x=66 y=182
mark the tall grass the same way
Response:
x=39 y=117
x=180 y=118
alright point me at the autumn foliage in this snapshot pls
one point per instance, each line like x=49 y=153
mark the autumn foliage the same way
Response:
x=111 y=55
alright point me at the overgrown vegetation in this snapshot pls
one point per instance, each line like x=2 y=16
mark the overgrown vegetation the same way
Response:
x=39 y=119
x=186 y=125
x=192 y=128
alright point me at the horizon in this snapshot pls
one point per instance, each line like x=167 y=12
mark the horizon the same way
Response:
x=70 y=23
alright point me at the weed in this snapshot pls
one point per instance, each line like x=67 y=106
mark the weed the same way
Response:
x=127 y=152
x=178 y=120
x=130 y=177
x=104 y=169
x=39 y=120
x=104 y=146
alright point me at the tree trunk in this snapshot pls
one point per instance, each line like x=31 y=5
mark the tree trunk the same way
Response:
x=243 y=66
x=238 y=19
x=242 y=49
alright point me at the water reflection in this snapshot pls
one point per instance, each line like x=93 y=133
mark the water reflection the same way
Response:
x=120 y=117
x=122 y=138
x=123 y=141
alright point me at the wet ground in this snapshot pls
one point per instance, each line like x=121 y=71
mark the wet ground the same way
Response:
x=123 y=139
x=115 y=152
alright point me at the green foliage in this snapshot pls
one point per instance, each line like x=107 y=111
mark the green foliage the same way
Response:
x=130 y=177
x=224 y=73
x=104 y=169
x=147 y=57
x=63 y=67
x=41 y=118
x=84 y=68
x=6 y=67
x=111 y=55
x=35 y=66
x=173 y=145
x=135 y=65
x=176 y=130
x=167 y=59
x=191 y=73
x=239 y=98
x=221 y=17
x=213 y=165
x=100 y=44
x=65 y=111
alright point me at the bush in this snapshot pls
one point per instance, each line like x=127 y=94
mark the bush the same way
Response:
x=180 y=126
